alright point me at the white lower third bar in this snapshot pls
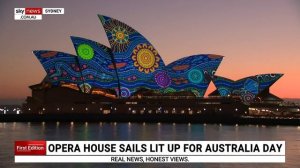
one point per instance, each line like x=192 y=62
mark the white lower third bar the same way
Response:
x=150 y=159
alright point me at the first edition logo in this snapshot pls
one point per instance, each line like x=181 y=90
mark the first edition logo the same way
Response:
x=30 y=148
x=35 y=13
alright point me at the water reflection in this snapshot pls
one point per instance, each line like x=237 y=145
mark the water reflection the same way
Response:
x=9 y=132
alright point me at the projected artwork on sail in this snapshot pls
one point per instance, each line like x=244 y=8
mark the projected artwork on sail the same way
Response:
x=137 y=61
x=193 y=73
x=96 y=64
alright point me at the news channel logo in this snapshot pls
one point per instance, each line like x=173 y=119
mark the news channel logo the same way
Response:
x=36 y=13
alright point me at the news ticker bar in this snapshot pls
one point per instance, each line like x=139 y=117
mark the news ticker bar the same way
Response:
x=35 y=13
x=150 y=151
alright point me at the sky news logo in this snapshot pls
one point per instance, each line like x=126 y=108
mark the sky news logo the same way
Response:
x=36 y=13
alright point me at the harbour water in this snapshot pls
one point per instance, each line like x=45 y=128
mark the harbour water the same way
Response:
x=10 y=132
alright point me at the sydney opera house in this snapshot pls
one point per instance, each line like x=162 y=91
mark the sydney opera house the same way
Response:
x=130 y=76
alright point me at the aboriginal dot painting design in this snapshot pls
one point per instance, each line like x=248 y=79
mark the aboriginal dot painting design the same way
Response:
x=145 y=58
x=195 y=76
x=163 y=79
x=224 y=91
x=267 y=80
x=85 y=51
x=85 y=88
x=133 y=63
x=99 y=70
x=137 y=61
x=169 y=90
x=125 y=92
x=60 y=67
x=247 y=96
x=247 y=88
x=193 y=73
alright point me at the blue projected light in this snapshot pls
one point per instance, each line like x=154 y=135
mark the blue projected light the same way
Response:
x=138 y=63
x=267 y=80
x=60 y=67
x=247 y=88
x=193 y=73
x=96 y=63
x=133 y=64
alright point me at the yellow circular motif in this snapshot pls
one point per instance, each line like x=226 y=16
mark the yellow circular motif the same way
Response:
x=145 y=58
x=120 y=35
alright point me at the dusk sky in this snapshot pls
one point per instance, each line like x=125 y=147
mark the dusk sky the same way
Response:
x=255 y=36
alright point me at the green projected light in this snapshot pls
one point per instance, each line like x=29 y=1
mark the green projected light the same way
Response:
x=85 y=51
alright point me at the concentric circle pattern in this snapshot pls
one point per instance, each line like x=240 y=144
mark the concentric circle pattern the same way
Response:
x=223 y=91
x=195 y=76
x=120 y=35
x=85 y=51
x=145 y=58
x=162 y=79
x=125 y=92
x=247 y=97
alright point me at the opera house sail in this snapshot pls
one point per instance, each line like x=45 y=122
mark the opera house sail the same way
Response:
x=138 y=63
x=247 y=88
x=193 y=73
x=96 y=64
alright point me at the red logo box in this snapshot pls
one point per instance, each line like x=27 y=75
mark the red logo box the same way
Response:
x=30 y=148
x=33 y=11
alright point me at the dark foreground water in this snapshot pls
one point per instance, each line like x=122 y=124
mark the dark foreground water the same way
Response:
x=9 y=132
